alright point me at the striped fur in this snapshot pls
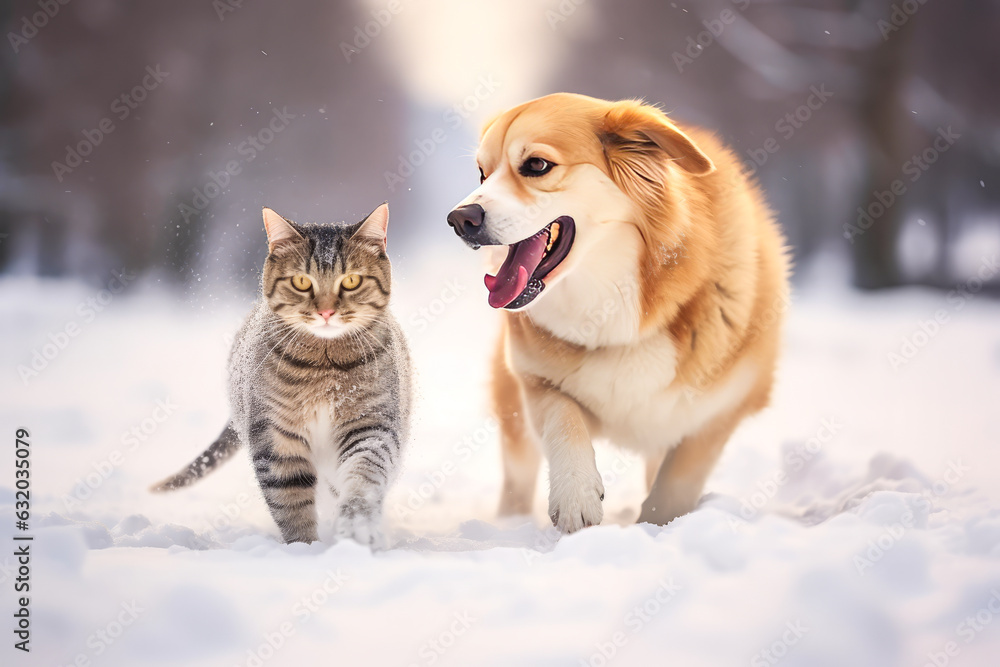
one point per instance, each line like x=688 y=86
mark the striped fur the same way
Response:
x=224 y=446
x=307 y=406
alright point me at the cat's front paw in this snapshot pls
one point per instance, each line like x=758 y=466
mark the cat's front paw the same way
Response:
x=361 y=529
x=575 y=502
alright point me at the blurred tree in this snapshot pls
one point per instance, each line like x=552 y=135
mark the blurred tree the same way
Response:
x=884 y=72
x=225 y=74
x=742 y=66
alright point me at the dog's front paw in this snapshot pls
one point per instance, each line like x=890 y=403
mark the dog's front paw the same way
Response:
x=575 y=502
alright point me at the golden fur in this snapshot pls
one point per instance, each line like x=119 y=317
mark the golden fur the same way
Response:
x=711 y=279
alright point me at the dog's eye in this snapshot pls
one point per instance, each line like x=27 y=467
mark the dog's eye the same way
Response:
x=482 y=176
x=535 y=166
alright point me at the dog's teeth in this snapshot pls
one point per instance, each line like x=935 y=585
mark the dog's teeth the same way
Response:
x=553 y=235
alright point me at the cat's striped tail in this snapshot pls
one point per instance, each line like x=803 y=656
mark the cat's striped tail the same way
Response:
x=219 y=451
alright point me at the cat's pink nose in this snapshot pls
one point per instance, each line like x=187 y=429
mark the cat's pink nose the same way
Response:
x=326 y=314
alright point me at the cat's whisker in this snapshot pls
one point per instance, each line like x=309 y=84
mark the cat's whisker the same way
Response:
x=290 y=343
x=319 y=398
x=358 y=340
x=267 y=354
x=373 y=342
x=366 y=334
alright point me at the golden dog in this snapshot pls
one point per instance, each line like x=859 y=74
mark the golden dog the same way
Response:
x=644 y=284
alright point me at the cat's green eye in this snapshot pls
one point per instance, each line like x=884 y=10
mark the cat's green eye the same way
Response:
x=301 y=282
x=351 y=281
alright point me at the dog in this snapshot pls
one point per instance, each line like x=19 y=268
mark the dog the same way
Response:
x=643 y=290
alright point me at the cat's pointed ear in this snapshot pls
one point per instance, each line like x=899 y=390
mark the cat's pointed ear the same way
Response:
x=278 y=229
x=376 y=225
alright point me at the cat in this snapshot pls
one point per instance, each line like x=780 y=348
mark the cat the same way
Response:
x=319 y=378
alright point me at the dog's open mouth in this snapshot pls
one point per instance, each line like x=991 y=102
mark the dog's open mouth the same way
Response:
x=519 y=279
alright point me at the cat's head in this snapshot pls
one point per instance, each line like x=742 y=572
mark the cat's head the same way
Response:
x=327 y=279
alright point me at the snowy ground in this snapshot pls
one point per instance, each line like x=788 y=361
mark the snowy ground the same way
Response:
x=855 y=523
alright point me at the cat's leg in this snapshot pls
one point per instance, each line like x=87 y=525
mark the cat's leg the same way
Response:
x=366 y=457
x=518 y=443
x=287 y=478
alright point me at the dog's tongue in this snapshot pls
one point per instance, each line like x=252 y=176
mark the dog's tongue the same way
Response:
x=522 y=260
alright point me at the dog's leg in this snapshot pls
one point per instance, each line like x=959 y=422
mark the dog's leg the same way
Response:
x=681 y=479
x=518 y=444
x=575 y=486
x=653 y=465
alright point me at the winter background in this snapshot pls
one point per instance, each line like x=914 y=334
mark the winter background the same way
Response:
x=855 y=522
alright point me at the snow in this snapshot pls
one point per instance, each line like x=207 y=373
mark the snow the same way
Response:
x=855 y=522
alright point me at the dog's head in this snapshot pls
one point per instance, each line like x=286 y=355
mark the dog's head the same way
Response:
x=561 y=179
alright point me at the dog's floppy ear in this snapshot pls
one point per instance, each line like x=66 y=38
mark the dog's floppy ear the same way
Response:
x=639 y=140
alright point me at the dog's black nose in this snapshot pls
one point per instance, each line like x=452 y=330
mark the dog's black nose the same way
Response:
x=465 y=220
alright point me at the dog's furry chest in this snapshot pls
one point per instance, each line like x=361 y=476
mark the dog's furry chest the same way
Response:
x=631 y=391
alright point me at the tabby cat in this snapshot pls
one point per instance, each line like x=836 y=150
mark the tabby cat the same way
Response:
x=319 y=379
